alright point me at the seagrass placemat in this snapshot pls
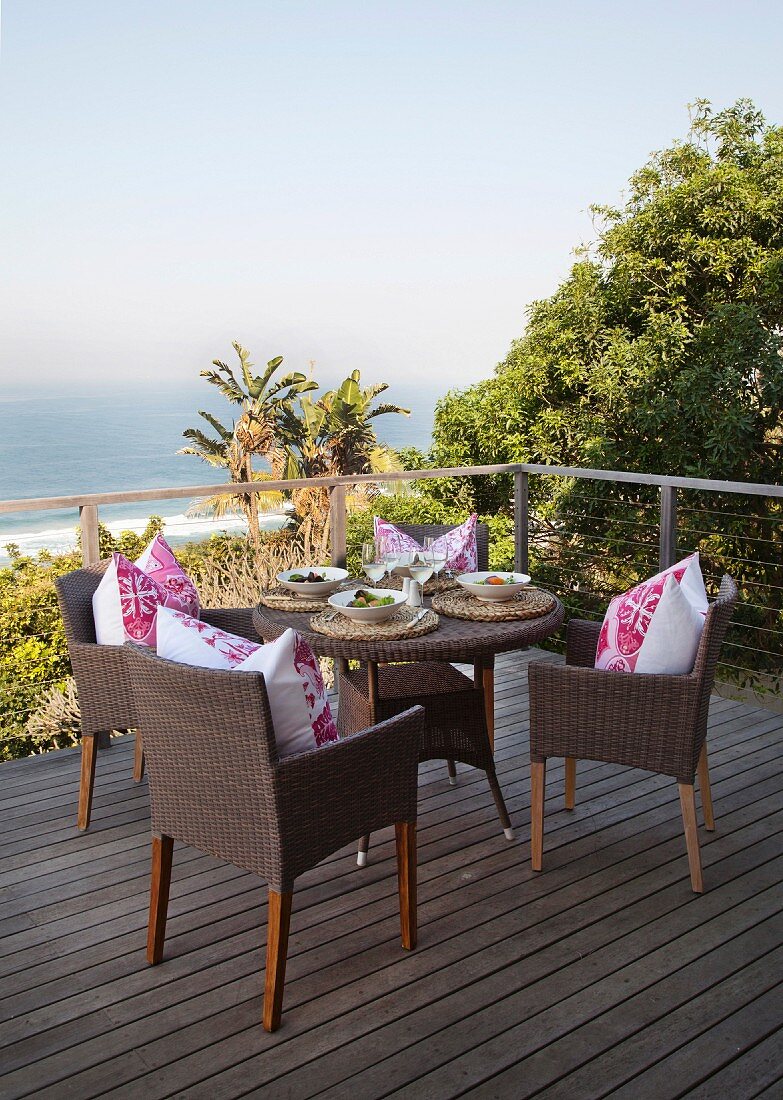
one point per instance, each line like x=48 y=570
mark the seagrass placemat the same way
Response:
x=530 y=603
x=433 y=585
x=281 y=599
x=391 y=630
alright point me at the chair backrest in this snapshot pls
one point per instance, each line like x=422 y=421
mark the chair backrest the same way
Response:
x=74 y=595
x=420 y=531
x=210 y=749
x=715 y=626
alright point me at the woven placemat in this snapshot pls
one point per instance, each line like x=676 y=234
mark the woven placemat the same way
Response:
x=431 y=587
x=530 y=603
x=280 y=599
x=393 y=629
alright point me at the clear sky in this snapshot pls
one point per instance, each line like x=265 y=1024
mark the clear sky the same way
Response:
x=363 y=184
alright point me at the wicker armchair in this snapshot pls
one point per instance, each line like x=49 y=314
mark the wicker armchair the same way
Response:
x=455 y=723
x=216 y=783
x=100 y=671
x=658 y=723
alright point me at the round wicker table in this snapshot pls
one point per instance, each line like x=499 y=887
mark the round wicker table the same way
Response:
x=454 y=640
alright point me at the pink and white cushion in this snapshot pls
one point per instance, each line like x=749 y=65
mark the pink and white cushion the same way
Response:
x=298 y=701
x=125 y=603
x=459 y=545
x=158 y=562
x=656 y=626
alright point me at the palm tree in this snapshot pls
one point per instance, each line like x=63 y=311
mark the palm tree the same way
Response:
x=333 y=436
x=256 y=432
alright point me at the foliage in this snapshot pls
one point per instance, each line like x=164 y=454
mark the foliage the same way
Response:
x=662 y=349
x=33 y=654
x=264 y=404
x=661 y=352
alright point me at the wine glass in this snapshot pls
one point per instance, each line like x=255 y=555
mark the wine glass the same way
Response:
x=391 y=559
x=422 y=568
x=373 y=563
x=438 y=554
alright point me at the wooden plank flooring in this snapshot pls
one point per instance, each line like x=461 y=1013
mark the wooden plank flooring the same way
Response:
x=602 y=976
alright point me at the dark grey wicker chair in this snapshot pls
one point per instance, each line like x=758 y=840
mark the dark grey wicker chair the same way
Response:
x=100 y=671
x=455 y=725
x=658 y=723
x=217 y=784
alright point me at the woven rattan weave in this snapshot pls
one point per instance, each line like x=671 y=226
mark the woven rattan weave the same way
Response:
x=282 y=600
x=531 y=603
x=433 y=585
x=400 y=625
x=101 y=671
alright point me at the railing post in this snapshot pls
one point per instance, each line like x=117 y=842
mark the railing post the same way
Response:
x=337 y=519
x=88 y=519
x=521 y=521
x=667 y=553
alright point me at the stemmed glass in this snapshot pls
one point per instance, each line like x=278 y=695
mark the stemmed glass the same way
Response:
x=373 y=562
x=422 y=568
x=438 y=554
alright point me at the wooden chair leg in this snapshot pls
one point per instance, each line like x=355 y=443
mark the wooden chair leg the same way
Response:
x=537 y=785
x=138 y=758
x=688 y=806
x=405 y=832
x=87 y=779
x=452 y=768
x=361 y=854
x=160 y=881
x=276 y=955
x=706 y=790
x=570 y=782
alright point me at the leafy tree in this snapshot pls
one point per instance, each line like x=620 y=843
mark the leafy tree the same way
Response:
x=330 y=436
x=661 y=352
x=264 y=405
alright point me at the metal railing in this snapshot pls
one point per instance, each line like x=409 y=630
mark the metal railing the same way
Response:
x=649 y=520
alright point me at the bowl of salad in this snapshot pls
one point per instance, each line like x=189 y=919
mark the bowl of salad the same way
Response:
x=494 y=587
x=316 y=581
x=367 y=605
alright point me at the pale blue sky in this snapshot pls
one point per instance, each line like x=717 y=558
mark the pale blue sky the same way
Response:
x=373 y=185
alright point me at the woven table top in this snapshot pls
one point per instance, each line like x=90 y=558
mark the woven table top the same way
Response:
x=453 y=640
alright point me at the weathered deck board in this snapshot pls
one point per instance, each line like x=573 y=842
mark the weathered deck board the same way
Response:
x=603 y=975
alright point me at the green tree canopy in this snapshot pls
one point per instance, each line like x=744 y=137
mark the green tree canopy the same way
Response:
x=661 y=351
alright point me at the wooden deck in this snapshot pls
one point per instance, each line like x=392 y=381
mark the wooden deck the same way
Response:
x=603 y=975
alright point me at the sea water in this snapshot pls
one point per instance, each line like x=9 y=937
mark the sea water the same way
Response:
x=103 y=440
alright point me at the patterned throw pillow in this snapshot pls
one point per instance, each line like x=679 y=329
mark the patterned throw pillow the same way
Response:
x=656 y=626
x=125 y=602
x=459 y=545
x=158 y=562
x=298 y=701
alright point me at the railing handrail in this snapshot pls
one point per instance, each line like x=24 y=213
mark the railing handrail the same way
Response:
x=81 y=500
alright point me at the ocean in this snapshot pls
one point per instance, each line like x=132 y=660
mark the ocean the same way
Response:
x=95 y=441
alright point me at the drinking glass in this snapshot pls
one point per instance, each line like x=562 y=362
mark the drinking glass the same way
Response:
x=372 y=562
x=438 y=555
x=421 y=568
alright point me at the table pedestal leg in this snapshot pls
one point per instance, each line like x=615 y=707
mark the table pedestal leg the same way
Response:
x=484 y=680
x=372 y=692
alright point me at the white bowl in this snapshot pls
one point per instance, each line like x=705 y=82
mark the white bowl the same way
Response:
x=340 y=601
x=315 y=589
x=493 y=593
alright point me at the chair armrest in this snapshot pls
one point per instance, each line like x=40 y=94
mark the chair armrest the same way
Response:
x=234 y=620
x=624 y=718
x=582 y=642
x=103 y=686
x=330 y=797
